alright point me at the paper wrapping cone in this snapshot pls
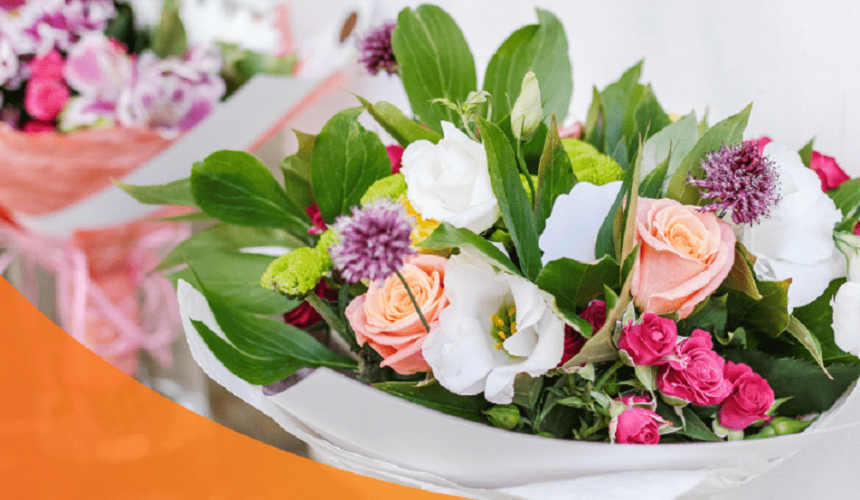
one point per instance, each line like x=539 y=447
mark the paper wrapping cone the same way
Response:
x=47 y=171
x=356 y=427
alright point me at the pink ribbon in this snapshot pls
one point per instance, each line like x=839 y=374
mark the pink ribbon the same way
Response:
x=80 y=295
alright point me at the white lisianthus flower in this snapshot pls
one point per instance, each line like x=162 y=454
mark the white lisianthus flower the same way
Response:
x=846 y=303
x=796 y=241
x=572 y=227
x=450 y=181
x=249 y=25
x=496 y=326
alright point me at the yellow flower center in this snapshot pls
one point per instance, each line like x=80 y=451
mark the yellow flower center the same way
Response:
x=504 y=324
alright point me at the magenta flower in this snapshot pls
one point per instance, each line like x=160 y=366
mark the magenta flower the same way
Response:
x=739 y=179
x=376 y=50
x=373 y=241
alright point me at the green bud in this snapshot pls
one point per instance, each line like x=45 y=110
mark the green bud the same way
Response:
x=590 y=165
x=527 y=110
x=785 y=425
x=504 y=416
x=391 y=187
x=297 y=273
x=764 y=433
x=501 y=236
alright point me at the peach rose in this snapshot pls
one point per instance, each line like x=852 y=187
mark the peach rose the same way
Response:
x=385 y=318
x=684 y=256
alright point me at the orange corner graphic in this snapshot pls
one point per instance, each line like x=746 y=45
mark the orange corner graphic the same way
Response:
x=74 y=427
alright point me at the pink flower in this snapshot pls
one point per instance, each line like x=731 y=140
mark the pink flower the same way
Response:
x=634 y=399
x=395 y=153
x=828 y=171
x=761 y=143
x=99 y=67
x=36 y=126
x=48 y=66
x=697 y=375
x=684 y=256
x=637 y=426
x=650 y=341
x=857 y=229
x=749 y=400
x=319 y=225
x=385 y=317
x=305 y=315
x=595 y=314
x=573 y=343
x=44 y=98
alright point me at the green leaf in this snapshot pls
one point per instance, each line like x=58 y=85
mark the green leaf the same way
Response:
x=710 y=316
x=631 y=204
x=226 y=238
x=513 y=201
x=235 y=277
x=594 y=133
x=652 y=184
x=575 y=284
x=263 y=351
x=236 y=187
x=727 y=132
x=172 y=193
x=797 y=330
x=402 y=129
x=742 y=277
x=189 y=217
x=695 y=428
x=768 y=316
x=170 y=39
x=541 y=48
x=679 y=138
x=605 y=244
x=447 y=236
x=817 y=316
x=806 y=152
x=435 y=396
x=297 y=171
x=619 y=106
x=649 y=117
x=435 y=62
x=803 y=381
x=847 y=196
x=347 y=160
x=555 y=176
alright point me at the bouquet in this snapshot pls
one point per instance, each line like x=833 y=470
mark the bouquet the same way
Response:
x=636 y=279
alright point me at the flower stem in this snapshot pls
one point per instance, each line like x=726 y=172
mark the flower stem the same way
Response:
x=605 y=378
x=521 y=161
x=414 y=302
x=332 y=319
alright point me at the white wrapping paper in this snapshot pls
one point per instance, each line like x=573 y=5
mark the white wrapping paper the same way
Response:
x=358 y=428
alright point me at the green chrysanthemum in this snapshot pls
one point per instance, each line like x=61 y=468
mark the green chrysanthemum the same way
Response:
x=590 y=165
x=391 y=187
x=327 y=240
x=297 y=273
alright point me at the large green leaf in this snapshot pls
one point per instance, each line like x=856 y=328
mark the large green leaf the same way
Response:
x=847 y=196
x=555 y=176
x=435 y=396
x=513 y=201
x=808 y=387
x=695 y=428
x=402 y=129
x=227 y=237
x=235 y=277
x=574 y=284
x=817 y=316
x=447 y=236
x=172 y=193
x=679 y=138
x=619 y=102
x=727 y=132
x=649 y=117
x=435 y=62
x=767 y=316
x=263 y=351
x=297 y=171
x=236 y=187
x=347 y=159
x=541 y=48
x=742 y=277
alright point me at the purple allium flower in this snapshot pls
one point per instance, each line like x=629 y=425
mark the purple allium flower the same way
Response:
x=376 y=50
x=373 y=241
x=739 y=179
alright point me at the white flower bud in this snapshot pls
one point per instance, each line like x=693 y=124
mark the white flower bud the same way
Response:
x=527 y=111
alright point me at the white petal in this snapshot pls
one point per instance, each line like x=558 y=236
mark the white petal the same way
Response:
x=571 y=230
x=846 y=318
x=808 y=282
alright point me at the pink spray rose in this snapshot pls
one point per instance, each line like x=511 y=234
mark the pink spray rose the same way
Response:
x=650 y=341
x=749 y=400
x=395 y=155
x=684 y=256
x=637 y=426
x=48 y=66
x=595 y=314
x=44 y=98
x=828 y=171
x=385 y=318
x=697 y=375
